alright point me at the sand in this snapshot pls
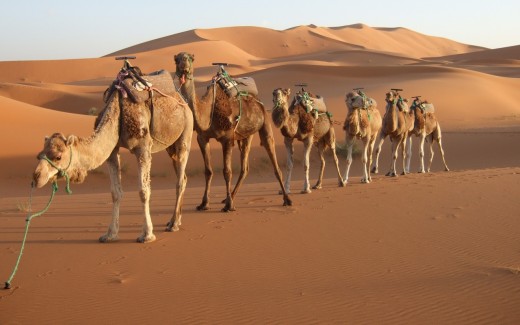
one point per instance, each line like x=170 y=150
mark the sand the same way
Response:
x=439 y=248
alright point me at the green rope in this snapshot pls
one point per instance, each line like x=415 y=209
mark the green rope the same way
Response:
x=62 y=173
x=27 y=223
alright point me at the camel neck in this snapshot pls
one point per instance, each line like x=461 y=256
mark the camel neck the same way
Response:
x=95 y=149
x=201 y=108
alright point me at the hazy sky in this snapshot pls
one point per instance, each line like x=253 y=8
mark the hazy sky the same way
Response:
x=68 y=29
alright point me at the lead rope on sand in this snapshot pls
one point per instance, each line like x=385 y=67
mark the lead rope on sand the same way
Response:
x=61 y=172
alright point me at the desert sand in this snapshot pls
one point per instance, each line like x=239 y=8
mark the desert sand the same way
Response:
x=435 y=248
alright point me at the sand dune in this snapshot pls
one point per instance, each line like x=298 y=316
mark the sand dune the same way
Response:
x=421 y=248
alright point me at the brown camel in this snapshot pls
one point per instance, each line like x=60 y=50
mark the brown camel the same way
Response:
x=132 y=125
x=296 y=123
x=226 y=119
x=427 y=128
x=363 y=122
x=397 y=123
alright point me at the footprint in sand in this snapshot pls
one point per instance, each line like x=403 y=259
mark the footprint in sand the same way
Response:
x=218 y=224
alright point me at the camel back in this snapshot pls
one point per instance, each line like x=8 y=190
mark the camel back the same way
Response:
x=133 y=86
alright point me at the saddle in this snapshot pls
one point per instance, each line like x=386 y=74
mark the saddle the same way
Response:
x=313 y=105
x=402 y=105
x=235 y=86
x=133 y=84
x=424 y=106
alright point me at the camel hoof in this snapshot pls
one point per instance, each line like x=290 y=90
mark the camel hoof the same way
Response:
x=393 y=175
x=374 y=170
x=421 y=172
x=403 y=173
x=228 y=209
x=446 y=169
x=146 y=239
x=171 y=227
x=342 y=184
x=287 y=201
x=365 y=181
x=202 y=207
x=306 y=191
x=107 y=238
x=317 y=187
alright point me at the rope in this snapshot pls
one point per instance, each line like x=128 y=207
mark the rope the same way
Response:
x=62 y=173
x=27 y=223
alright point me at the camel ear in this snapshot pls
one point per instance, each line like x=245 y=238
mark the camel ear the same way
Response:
x=71 y=140
x=288 y=91
x=192 y=57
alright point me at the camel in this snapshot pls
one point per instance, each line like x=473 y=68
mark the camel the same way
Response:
x=213 y=120
x=397 y=123
x=296 y=123
x=363 y=121
x=124 y=123
x=427 y=128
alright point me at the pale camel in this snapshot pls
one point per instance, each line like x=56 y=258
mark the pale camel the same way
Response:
x=427 y=128
x=124 y=123
x=363 y=122
x=296 y=123
x=397 y=123
x=226 y=119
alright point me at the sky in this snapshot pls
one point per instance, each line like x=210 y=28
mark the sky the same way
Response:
x=69 y=29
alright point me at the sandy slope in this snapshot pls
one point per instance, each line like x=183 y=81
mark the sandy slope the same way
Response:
x=435 y=248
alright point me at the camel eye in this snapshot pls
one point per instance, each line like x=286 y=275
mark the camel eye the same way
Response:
x=58 y=158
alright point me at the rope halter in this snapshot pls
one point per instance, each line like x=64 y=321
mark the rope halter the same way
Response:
x=61 y=172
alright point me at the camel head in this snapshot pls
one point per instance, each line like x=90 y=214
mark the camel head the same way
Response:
x=392 y=96
x=353 y=100
x=281 y=97
x=184 y=65
x=56 y=161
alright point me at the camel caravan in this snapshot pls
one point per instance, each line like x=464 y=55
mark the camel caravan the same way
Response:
x=149 y=113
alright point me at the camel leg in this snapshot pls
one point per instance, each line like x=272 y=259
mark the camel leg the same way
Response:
x=289 y=147
x=408 y=155
x=421 y=153
x=364 y=161
x=307 y=146
x=395 y=148
x=331 y=141
x=371 y=144
x=430 y=142
x=227 y=151
x=208 y=171
x=267 y=140
x=321 y=149
x=349 y=144
x=403 y=153
x=114 y=170
x=375 y=166
x=179 y=153
x=245 y=148
x=439 y=143
x=144 y=161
